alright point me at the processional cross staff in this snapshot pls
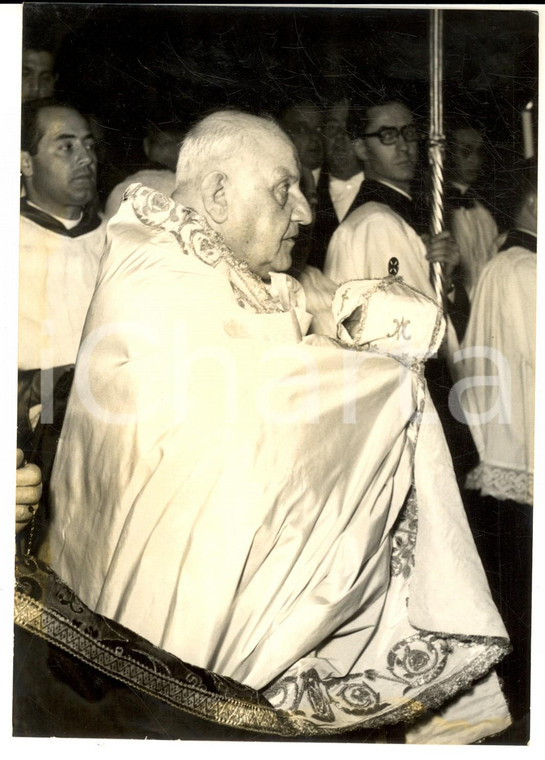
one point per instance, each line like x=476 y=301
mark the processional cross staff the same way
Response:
x=436 y=140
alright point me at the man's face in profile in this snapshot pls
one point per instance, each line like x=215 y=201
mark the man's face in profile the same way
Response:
x=38 y=79
x=267 y=206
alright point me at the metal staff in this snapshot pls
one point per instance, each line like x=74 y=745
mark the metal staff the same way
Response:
x=437 y=139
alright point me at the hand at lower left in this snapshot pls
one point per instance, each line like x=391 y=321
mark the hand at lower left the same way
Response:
x=28 y=491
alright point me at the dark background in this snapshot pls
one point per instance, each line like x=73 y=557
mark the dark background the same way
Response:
x=132 y=64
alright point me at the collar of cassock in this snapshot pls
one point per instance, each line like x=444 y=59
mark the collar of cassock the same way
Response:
x=520 y=239
x=88 y=222
x=455 y=198
x=372 y=191
x=196 y=238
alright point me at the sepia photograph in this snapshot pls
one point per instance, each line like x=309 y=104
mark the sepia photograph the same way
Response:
x=275 y=306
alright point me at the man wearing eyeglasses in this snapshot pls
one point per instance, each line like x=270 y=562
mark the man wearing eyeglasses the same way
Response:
x=386 y=233
x=382 y=233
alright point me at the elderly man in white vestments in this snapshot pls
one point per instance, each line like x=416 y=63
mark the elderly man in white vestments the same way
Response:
x=270 y=506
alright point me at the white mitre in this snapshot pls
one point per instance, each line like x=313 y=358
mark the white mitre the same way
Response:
x=390 y=316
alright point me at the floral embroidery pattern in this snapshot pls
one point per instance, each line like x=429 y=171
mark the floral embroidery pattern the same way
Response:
x=412 y=679
x=353 y=695
x=416 y=671
x=404 y=538
x=418 y=659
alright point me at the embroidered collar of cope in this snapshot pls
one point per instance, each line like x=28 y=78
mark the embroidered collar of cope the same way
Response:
x=195 y=237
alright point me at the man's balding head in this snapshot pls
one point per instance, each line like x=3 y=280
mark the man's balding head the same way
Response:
x=221 y=138
x=241 y=172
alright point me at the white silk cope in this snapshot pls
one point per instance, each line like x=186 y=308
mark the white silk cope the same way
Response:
x=229 y=489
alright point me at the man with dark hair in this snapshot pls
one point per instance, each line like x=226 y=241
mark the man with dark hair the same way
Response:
x=61 y=241
x=38 y=71
x=471 y=223
x=381 y=234
x=386 y=234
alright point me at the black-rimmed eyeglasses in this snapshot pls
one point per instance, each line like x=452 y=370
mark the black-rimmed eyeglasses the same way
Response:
x=390 y=135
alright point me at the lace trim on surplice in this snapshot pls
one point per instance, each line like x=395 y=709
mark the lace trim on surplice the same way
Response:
x=502 y=483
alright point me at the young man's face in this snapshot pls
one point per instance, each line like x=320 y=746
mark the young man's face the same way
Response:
x=395 y=163
x=38 y=79
x=466 y=153
x=61 y=176
x=266 y=206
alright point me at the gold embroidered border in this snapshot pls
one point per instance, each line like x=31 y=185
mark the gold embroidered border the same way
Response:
x=49 y=625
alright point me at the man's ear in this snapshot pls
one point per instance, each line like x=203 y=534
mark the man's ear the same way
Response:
x=214 y=196
x=26 y=164
x=359 y=148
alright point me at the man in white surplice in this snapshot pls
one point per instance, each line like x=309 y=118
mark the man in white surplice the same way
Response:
x=277 y=508
x=498 y=371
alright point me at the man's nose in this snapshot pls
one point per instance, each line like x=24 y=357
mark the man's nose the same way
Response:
x=402 y=144
x=85 y=157
x=32 y=87
x=301 y=211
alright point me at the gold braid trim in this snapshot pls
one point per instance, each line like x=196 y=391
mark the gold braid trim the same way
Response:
x=137 y=663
